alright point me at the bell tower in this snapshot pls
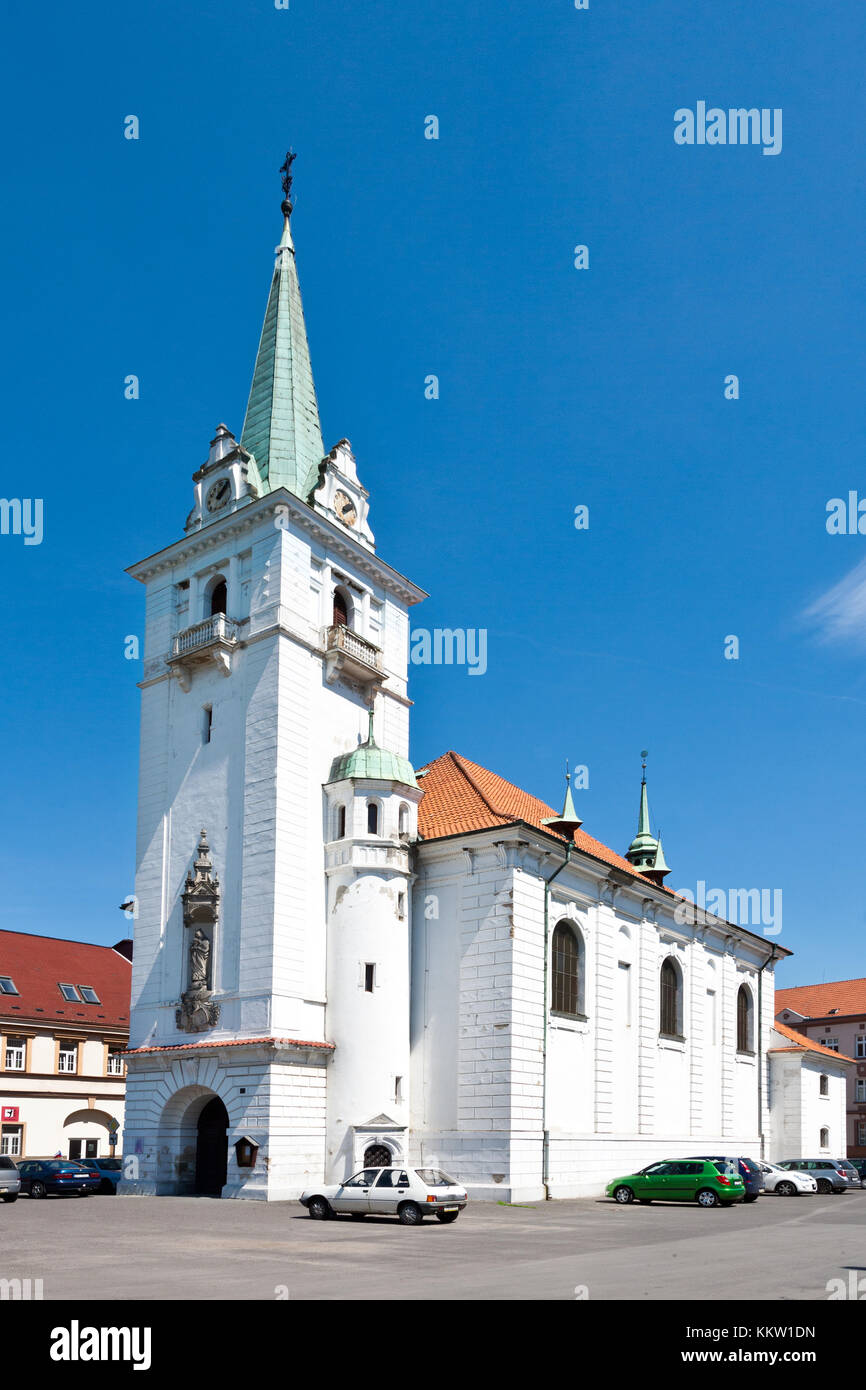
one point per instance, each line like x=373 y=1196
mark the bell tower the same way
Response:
x=275 y=639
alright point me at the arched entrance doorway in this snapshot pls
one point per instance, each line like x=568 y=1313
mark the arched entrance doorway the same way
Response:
x=377 y=1156
x=211 y=1149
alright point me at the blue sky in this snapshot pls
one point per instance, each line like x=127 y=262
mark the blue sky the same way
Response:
x=558 y=387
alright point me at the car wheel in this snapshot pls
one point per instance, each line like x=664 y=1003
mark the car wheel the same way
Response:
x=10 y=1197
x=357 y=1215
x=786 y=1189
x=319 y=1209
x=707 y=1198
x=446 y=1217
x=824 y=1186
x=751 y=1196
x=623 y=1195
x=37 y=1189
x=410 y=1214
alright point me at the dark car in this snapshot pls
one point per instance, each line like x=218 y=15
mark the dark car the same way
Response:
x=110 y=1171
x=41 y=1176
x=748 y=1169
x=859 y=1165
x=828 y=1173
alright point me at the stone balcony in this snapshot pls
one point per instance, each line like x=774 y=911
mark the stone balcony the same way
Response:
x=213 y=640
x=350 y=656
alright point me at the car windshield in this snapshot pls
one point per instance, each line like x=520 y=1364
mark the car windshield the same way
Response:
x=363 y=1179
x=434 y=1177
x=111 y=1165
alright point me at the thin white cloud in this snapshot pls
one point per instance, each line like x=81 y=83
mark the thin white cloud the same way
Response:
x=839 y=615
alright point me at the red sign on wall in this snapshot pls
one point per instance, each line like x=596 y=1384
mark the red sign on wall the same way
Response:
x=9 y=1112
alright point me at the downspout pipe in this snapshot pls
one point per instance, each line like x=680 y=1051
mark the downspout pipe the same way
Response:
x=760 y=1037
x=545 y=1151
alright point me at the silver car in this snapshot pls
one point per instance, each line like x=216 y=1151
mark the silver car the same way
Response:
x=787 y=1182
x=410 y=1194
x=10 y=1180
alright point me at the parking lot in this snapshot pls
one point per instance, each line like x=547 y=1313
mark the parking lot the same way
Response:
x=187 y=1247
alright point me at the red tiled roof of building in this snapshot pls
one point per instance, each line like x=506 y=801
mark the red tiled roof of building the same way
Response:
x=229 y=1042
x=38 y=965
x=460 y=796
x=816 y=1001
x=804 y=1044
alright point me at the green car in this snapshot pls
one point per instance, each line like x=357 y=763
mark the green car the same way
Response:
x=681 y=1180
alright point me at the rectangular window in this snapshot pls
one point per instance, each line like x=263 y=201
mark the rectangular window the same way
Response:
x=860 y=1045
x=70 y=994
x=10 y=1140
x=67 y=1057
x=398 y=1089
x=115 y=1064
x=16 y=1051
x=7 y=985
x=89 y=995
x=861 y=1134
x=861 y=1090
x=207 y=723
x=369 y=977
x=712 y=1031
x=824 y=1085
x=832 y=1043
x=623 y=983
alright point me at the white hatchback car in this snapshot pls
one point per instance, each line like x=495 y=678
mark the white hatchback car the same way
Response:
x=787 y=1182
x=410 y=1194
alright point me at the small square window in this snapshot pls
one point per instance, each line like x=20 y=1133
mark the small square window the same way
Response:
x=7 y=985
x=70 y=993
x=89 y=995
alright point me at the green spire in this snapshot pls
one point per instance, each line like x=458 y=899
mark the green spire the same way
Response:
x=569 y=821
x=659 y=865
x=281 y=429
x=644 y=847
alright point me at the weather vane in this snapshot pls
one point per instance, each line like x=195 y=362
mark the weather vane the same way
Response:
x=286 y=171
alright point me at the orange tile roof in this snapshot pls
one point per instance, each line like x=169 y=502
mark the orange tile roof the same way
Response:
x=816 y=1001
x=39 y=964
x=804 y=1044
x=460 y=796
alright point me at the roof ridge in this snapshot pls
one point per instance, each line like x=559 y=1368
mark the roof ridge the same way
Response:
x=827 y=984
x=59 y=940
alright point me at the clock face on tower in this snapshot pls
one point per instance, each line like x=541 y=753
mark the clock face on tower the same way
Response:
x=345 y=508
x=218 y=495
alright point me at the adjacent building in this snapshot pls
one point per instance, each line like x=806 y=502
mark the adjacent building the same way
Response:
x=834 y=1015
x=64 y=1028
x=808 y=1088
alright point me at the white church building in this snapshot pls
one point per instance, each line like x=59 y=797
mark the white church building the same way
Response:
x=339 y=962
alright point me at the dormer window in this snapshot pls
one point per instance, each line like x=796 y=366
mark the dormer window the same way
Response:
x=7 y=985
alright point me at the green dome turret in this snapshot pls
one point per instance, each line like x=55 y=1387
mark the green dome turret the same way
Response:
x=645 y=851
x=371 y=762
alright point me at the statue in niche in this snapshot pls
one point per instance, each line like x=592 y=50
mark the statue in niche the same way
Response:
x=197 y=1010
x=199 y=951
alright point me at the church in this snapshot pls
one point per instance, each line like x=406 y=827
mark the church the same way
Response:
x=341 y=961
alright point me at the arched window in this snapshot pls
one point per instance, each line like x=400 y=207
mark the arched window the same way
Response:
x=403 y=823
x=377 y=1156
x=744 y=1019
x=218 y=598
x=670 y=1001
x=567 y=986
x=372 y=818
x=341 y=822
x=824 y=1085
x=341 y=609
x=825 y=1139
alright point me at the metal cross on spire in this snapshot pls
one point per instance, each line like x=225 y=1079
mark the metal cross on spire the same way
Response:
x=286 y=171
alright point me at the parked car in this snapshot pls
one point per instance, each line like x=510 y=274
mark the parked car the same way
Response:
x=860 y=1165
x=749 y=1170
x=410 y=1194
x=828 y=1173
x=852 y=1171
x=710 y=1183
x=10 y=1179
x=41 y=1176
x=110 y=1172
x=787 y=1182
